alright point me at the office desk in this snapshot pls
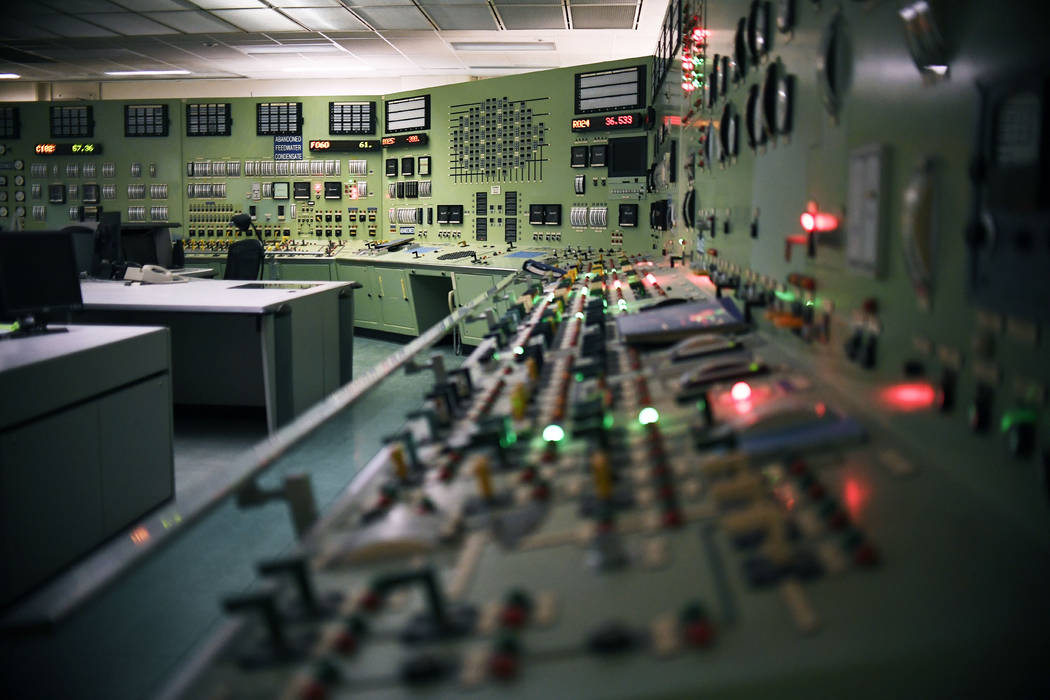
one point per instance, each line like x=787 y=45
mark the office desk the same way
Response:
x=235 y=343
x=85 y=444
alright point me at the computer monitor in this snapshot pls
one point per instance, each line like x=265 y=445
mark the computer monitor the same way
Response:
x=146 y=244
x=38 y=279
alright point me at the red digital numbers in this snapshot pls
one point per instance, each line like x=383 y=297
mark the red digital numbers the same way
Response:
x=46 y=149
x=320 y=145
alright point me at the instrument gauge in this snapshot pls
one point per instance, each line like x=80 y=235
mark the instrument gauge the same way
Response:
x=758 y=38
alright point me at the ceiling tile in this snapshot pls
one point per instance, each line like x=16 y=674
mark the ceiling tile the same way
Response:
x=324 y=19
x=532 y=16
x=154 y=5
x=458 y=17
x=425 y=50
x=602 y=16
x=227 y=4
x=395 y=62
x=64 y=25
x=304 y=3
x=191 y=22
x=78 y=6
x=394 y=17
x=127 y=23
x=444 y=3
x=257 y=20
x=15 y=29
x=368 y=47
x=500 y=3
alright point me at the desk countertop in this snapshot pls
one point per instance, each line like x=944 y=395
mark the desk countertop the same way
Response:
x=215 y=296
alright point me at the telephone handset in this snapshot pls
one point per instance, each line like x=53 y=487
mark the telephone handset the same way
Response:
x=152 y=274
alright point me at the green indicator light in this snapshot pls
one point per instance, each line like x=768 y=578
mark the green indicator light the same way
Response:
x=701 y=405
x=809 y=302
x=553 y=433
x=495 y=356
x=518 y=350
x=785 y=296
x=1021 y=415
x=753 y=366
x=648 y=415
x=579 y=376
x=509 y=439
x=608 y=421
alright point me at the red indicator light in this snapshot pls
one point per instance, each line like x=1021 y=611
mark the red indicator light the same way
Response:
x=814 y=220
x=650 y=278
x=855 y=496
x=908 y=397
x=741 y=391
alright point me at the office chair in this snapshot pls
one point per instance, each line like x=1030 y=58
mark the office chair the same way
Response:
x=244 y=260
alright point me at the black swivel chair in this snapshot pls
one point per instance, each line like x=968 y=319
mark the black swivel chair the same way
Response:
x=244 y=258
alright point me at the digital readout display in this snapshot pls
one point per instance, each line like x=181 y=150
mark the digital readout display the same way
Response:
x=628 y=120
x=67 y=149
x=344 y=145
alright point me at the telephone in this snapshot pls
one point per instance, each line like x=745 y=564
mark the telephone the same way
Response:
x=152 y=274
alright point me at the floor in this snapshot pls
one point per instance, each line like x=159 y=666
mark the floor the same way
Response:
x=126 y=643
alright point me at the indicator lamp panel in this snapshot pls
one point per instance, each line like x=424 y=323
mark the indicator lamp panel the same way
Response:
x=578 y=158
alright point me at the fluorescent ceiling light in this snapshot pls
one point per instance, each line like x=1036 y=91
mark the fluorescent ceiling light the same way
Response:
x=503 y=46
x=290 y=48
x=9 y=76
x=147 y=72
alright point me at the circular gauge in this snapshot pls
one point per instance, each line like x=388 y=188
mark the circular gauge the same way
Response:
x=3 y=196
x=740 y=47
x=729 y=131
x=19 y=164
x=785 y=15
x=20 y=196
x=20 y=180
x=723 y=77
x=758 y=38
x=3 y=212
x=833 y=64
x=756 y=129
x=20 y=211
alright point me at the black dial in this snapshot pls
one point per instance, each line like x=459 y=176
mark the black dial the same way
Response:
x=778 y=100
x=756 y=128
x=740 y=48
x=758 y=37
